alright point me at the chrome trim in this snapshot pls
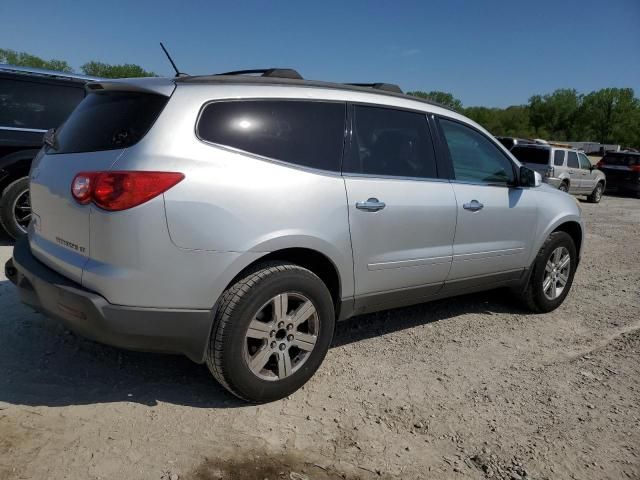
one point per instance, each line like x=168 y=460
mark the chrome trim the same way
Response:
x=15 y=129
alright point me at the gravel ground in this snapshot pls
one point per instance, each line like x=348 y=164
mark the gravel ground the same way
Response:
x=472 y=387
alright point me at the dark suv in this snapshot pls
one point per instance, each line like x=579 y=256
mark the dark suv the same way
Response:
x=622 y=170
x=32 y=101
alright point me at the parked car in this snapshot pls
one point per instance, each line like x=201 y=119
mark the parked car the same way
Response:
x=32 y=101
x=235 y=219
x=564 y=168
x=622 y=170
x=511 y=142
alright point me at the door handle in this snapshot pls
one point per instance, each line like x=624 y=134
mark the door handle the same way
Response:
x=474 y=206
x=371 y=205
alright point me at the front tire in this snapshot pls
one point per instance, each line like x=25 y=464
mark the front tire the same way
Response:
x=552 y=274
x=272 y=330
x=15 y=208
x=596 y=195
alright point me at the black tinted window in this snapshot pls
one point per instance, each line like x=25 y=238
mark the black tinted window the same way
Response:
x=391 y=142
x=537 y=155
x=475 y=158
x=310 y=134
x=572 y=160
x=109 y=121
x=558 y=158
x=25 y=104
x=621 y=159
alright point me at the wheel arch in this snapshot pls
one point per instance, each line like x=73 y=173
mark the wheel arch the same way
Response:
x=14 y=166
x=574 y=230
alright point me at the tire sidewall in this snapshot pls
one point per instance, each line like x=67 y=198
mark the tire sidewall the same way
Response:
x=295 y=281
x=7 y=216
x=557 y=239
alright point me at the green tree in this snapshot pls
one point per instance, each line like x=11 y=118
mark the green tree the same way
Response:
x=554 y=115
x=126 y=70
x=24 y=59
x=613 y=115
x=443 y=98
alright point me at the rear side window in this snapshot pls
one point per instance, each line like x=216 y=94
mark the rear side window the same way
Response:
x=539 y=156
x=310 y=134
x=475 y=158
x=108 y=120
x=572 y=160
x=558 y=158
x=585 y=163
x=390 y=142
x=25 y=104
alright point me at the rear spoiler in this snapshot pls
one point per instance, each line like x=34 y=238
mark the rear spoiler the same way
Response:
x=158 y=86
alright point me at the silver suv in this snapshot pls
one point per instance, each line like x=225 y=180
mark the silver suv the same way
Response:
x=235 y=219
x=566 y=169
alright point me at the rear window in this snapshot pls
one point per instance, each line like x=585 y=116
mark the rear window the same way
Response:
x=36 y=105
x=538 y=156
x=622 y=160
x=108 y=121
x=310 y=134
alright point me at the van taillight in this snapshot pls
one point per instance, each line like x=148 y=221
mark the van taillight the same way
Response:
x=599 y=164
x=114 y=191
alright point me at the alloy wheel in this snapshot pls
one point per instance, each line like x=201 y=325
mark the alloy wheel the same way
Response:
x=281 y=336
x=22 y=210
x=556 y=273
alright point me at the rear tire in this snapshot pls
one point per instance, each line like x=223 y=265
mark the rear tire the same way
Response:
x=550 y=280
x=272 y=330
x=564 y=187
x=596 y=195
x=14 y=212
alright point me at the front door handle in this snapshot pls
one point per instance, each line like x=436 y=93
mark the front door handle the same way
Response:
x=473 y=205
x=371 y=205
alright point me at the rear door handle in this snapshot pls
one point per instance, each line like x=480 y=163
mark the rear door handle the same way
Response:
x=371 y=205
x=473 y=205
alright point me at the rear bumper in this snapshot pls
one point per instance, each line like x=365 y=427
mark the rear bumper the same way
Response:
x=89 y=314
x=623 y=186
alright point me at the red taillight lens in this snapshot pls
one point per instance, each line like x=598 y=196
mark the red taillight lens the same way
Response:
x=116 y=191
x=599 y=164
x=635 y=168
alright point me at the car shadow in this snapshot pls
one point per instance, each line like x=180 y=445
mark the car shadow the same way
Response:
x=44 y=364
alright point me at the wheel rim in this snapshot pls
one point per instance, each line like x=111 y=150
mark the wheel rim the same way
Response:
x=22 y=210
x=563 y=187
x=281 y=336
x=556 y=273
x=598 y=193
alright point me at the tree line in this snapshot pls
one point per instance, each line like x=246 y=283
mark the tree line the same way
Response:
x=608 y=115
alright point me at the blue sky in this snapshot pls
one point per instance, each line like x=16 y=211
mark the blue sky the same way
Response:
x=493 y=53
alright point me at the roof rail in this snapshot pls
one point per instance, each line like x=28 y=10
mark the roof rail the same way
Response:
x=268 y=72
x=387 y=87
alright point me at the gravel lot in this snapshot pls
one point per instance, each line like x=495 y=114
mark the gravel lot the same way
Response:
x=472 y=387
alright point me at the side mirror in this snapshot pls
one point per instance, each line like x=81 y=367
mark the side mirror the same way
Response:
x=529 y=177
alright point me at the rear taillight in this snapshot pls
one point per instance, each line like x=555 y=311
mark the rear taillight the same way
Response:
x=599 y=164
x=114 y=191
x=635 y=168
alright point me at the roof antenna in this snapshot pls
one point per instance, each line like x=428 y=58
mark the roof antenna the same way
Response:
x=178 y=72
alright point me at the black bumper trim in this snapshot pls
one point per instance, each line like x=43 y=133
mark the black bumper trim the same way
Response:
x=89 y=314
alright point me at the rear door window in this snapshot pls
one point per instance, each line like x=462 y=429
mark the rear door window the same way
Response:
x=305 y=133
x=558 y=158
x=108 y=120
x=535 y=155
x=621 y=160
x=475 y=158
x=389 y=142
x=36 y=105
x=572 y=160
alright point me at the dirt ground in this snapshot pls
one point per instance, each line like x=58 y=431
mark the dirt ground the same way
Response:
x=472 y=387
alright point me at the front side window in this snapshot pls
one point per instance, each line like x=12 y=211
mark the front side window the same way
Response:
x=572 y=160
x=584 y=161
x=558 y=158
x=309 y=134
x=388 y=142
x=475 y=158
